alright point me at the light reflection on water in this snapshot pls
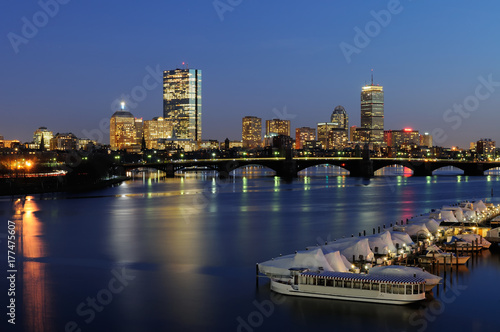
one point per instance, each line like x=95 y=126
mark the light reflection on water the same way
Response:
x=192 y=242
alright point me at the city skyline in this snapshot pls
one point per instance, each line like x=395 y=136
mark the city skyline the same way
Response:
x=430 y=84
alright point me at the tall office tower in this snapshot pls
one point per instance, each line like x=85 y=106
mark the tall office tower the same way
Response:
x=372 y=114
x=302 y=135
x=340 y=118
x=182 y=102
x=251 y=132
x=47 y=136
x=122 y=132
x=277 y=126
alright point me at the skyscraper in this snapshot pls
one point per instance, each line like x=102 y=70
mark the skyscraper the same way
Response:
x=44 y=133
x=277 y=126
x=182 y=102
x=302 y=135
x=340 y=118
x=372 y=114
x=251 y=132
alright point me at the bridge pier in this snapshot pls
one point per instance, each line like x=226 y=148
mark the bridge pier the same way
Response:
x=169 y=170
x=424 y=169
x=288 y=170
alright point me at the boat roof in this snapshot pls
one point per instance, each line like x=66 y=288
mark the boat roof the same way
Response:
x=366 y=277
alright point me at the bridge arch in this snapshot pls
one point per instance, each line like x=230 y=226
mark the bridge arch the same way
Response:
x=242 y=167
x=398 y=169
x=341 y=166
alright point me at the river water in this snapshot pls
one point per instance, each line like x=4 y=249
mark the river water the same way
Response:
x=179 y=254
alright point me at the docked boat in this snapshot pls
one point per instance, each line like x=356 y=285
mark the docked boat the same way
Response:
x=431 y=280
x=493 y=235
x=351 y=287
x=435 y=253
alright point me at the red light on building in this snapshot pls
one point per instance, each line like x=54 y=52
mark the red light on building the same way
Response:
x=408 y=130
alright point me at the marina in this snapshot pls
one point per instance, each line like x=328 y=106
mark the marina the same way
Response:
x=321 y=271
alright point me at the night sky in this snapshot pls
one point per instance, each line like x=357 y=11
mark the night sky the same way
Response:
x=264 y=58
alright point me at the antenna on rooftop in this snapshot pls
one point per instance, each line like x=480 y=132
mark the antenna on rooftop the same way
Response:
x=185 y=64
x=372 y=76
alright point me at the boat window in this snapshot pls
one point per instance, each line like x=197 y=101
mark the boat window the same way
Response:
x=415 y=289
x=356 y=284
x=329 y=282
x=347 y=284
x=389 y=289
x=383 y=288
x=366 y=285
x=421 y=288
x=408 y=289
x=338 y=283
x=321 y=282
x=375 y=286
x=310 y=281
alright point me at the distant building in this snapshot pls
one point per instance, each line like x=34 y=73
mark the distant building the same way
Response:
x=372 y=114
x=340 y=118
x=182 y=102
x=402 y=138
x=426 y=140
x=154 y=130
x=9 y=143
x=337 y=138
x=277 y=126
x=324 y=129
x=122 y=131
x=302 y=135
x=47 y=136
x=251 y=132
x=64 y=142
x=235 y=144
x=485 y=147
x=351 y=133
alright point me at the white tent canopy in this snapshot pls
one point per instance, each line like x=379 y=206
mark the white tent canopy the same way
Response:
x=417 y=230
x=448 y=215
x=311 y=259
x=383 y=242
x=401 y=238
x=277 y=266
x=337 y=261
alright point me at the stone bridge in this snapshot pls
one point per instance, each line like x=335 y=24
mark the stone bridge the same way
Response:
x=289 y=167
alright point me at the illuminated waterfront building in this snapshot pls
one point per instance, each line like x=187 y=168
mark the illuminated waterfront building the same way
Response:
x=122 y=132
x=302 y=135
x=485 y=147
x=372 y=114
x=156 y=129
x=400 y=138
x=182 y=102
x=426 y=140
x=64 y=142
x=47 y=136
x=277 y=126
x=332 y=136
x=251 y=132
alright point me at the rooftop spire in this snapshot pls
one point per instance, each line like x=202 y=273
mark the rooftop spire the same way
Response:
x=372 y=76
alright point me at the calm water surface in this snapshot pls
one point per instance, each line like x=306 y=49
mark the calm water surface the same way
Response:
x=179 y=254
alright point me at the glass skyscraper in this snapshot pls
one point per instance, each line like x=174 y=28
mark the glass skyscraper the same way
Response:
x=182 y=102
x=372 y=114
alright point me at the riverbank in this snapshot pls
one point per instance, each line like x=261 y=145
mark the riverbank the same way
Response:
x=43 y=185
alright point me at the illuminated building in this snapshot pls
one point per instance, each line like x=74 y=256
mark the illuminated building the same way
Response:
x=302 y=135
x=485 y=147
x=9 y=143
x=122 y=132
x=85 y=143
x=426 y=140
x=47 y=136
x=337 y=138
x=156 y=129
x=251 y=132
x=352 y=132
x=340 y=118
x=139 y=130
x=401 y=138
x=324 y=129
x=277 y=126
x=182 y=102
x=372 y=114
x=64 y=142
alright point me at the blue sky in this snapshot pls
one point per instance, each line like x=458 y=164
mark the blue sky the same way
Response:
x=264 y=58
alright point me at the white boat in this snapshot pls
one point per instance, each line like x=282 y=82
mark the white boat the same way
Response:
x=431 y=280
x=434 y=252
x=493 y=235
x=351 y=287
